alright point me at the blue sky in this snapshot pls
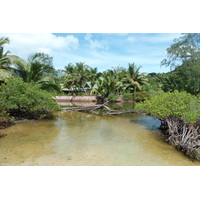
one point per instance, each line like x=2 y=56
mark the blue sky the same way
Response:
x=101 y=50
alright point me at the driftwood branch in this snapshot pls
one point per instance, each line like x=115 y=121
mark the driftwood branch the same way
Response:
x=97 y=107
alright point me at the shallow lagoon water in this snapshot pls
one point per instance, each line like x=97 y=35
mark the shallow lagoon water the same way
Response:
x=81 y=139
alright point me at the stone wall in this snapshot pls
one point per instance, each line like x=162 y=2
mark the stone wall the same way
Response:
x=77 y=98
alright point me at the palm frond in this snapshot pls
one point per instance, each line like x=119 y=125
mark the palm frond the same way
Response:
x=4 y=41
x=5 y=75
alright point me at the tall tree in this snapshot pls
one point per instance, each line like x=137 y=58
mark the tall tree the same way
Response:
x=38 y=69
x=6 y=59
x=185 y=49
x=77 y=75
x=134 y=79
x=184 y=56
x=38 y=66
x=108 y=83
x=188 y=78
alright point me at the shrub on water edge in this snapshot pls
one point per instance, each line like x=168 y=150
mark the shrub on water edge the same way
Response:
x=176 y=104
x=5 y=119
x=26 y=101
x=140 y=96
x=179 y=113
x=112 y=97
x=127 y=96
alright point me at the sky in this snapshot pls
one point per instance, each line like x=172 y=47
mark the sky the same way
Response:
x=101 y=50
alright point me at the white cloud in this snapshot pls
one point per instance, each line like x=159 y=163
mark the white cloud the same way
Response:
x=95 y=44
x=143 y=49
x=122 y=34
x=88 y=36
x=156 y=38
x=131 y=39
x=24 y=44
x=161 y=38
x=117 y=34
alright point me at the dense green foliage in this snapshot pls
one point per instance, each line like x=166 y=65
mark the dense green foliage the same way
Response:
x=6 y=59
x=164 y=105
x=35 y=68
x=183 y=78
x=179 y=113
x=134 y=79
x=127 y=96
x=23 y=100
x=112 y=97
x=114 y=80
x=75 y=76
x=183 y=56
x=184 y=50
x=108 y=83
x=172 y=97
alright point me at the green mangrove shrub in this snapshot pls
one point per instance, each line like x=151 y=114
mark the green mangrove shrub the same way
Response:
x=26 y=101
x=140 y=96
x=179 y=112
x=112 y=97
x=127 y=96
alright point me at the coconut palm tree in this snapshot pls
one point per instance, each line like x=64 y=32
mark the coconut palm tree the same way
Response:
x=119 y=72
x=34 y=69
x=77 y=75
x=81 y=73
x=5 y=61
x=37 y=69
x=108 y=83
x=134 y=79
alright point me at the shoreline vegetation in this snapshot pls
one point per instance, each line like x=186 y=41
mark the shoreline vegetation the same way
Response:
x=179 y=113
x=23 y=101
x=27 y=88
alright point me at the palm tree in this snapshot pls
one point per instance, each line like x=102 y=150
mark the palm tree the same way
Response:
x=77 y=75
x=6 y=61
x=38 y=69
x=108 y=83
x=93 y=75
x=119 y=72
x=34 y=69
x=134 y=79
x=81 y=73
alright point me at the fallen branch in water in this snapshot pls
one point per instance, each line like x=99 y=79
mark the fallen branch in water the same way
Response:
x=118 y=112
x=97 y=107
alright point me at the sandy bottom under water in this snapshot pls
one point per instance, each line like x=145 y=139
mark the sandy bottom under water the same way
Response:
x=80 y=139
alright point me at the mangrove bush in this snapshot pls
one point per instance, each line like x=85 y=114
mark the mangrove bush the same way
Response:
x=179 y=113
x=26 y=101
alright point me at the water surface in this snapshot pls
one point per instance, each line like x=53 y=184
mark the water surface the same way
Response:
x=81 y=139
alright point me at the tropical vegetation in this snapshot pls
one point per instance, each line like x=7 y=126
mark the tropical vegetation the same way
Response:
x=176 y=101
x=179 y=113
x=172 y=97
x=21 y=100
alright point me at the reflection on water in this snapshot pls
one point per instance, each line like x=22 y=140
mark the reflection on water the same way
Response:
x=85 y=139
x=121 y=106
x=75 y=103
x=150 y=123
